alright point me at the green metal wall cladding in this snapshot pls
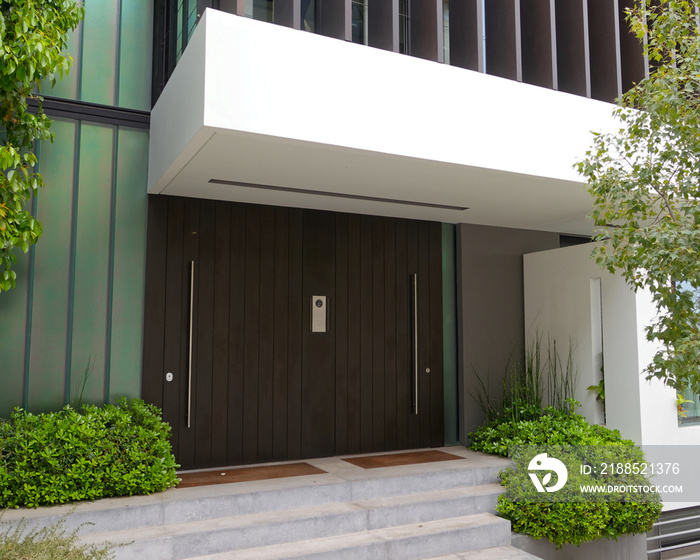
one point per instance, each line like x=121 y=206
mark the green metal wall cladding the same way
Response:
x=79 y=294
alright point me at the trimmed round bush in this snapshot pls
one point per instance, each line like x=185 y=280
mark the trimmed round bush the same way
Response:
x=86 y=454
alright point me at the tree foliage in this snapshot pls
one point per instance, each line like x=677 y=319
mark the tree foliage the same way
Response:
x=645 y=182
x=33 y=34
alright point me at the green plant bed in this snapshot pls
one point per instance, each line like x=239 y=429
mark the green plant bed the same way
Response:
x=85 y=454
x=563 y=522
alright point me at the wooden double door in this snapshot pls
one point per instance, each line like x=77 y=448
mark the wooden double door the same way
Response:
x=249 y=367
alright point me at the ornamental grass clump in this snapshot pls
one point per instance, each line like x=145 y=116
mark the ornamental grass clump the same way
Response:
x=18 y=542
x=84 y=454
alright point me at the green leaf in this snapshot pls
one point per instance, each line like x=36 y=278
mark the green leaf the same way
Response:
x=32 y=35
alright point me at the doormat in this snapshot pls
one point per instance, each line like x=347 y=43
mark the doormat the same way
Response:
x=246 y=474
x=398 y=459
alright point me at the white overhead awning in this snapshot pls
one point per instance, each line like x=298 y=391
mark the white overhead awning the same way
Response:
x=260 y=113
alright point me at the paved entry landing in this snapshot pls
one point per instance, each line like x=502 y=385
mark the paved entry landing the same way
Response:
x=441 y=510
x=209 y=477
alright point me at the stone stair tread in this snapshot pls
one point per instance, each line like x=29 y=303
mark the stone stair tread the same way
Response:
x=495 y=553
x=379 y=544
x=327 y=511
x=343 y=482
x=407 y=512
x=436 y=495
x=213 y=524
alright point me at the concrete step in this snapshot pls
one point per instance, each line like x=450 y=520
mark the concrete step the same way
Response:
x=346 y=512
x=342 y=482
x=496 y=553
x=209 y=536
x=405 y=542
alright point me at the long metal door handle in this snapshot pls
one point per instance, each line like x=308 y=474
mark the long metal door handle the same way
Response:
x=189 y=352
x=414 y=287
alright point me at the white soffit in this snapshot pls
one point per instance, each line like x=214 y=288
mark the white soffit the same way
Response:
x=260 y=113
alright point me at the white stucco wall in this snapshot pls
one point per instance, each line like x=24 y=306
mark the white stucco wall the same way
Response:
x=558 y=301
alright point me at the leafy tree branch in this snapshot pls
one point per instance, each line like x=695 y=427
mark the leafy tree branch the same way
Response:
x=33 y=35
x=645 y=183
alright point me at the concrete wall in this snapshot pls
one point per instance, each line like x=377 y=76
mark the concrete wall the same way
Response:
x=490 y=307
x=626 y=547
x=560 y=298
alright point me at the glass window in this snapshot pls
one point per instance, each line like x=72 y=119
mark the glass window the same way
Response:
x=308 y=15
x=261 y=10
x=689 y=411
x=446 y=30
x=359 y=21
x=404 y=28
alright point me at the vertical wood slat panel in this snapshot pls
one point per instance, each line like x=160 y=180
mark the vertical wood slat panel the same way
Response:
x=424 y=335
x=220 y=346
x=190 y=252
x=318 y=348
x=281 y=334
x=539 y=68
x=155 y=293
x=294 y=372
x=174 y=294
x=236 y=335
x=413 y=421
x=437 y=403
x=426 y=29
x=353 y=336
x=403 y=320
x=466 y=30
x=390 y=345
x=502 y=39
x=287 y=13
x=334 y=19
x=377 y=330
x=251 y=335
x=383 y=22
x=366 y=338
x=203 y=332
x=603 y=33
x=362 y=264
x=236 y=7
x=342 y=413
x=268 y=237
x=573 y=69
x=632 y=63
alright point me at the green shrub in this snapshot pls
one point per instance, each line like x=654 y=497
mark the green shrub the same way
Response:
x=85 y=454
x=552 y=427
x=564 y=522
x=48 y=543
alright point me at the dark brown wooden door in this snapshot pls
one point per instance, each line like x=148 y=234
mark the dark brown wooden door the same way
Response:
x=228 y=316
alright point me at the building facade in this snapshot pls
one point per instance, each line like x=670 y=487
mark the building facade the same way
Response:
x=298 y=226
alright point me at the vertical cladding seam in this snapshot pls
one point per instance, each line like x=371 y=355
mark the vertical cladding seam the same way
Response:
x=117 y=54
x=110 y=266
x=71 y=273
x=112 y=209
x=30 y=303
x=74 y=219
x=79 y=77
